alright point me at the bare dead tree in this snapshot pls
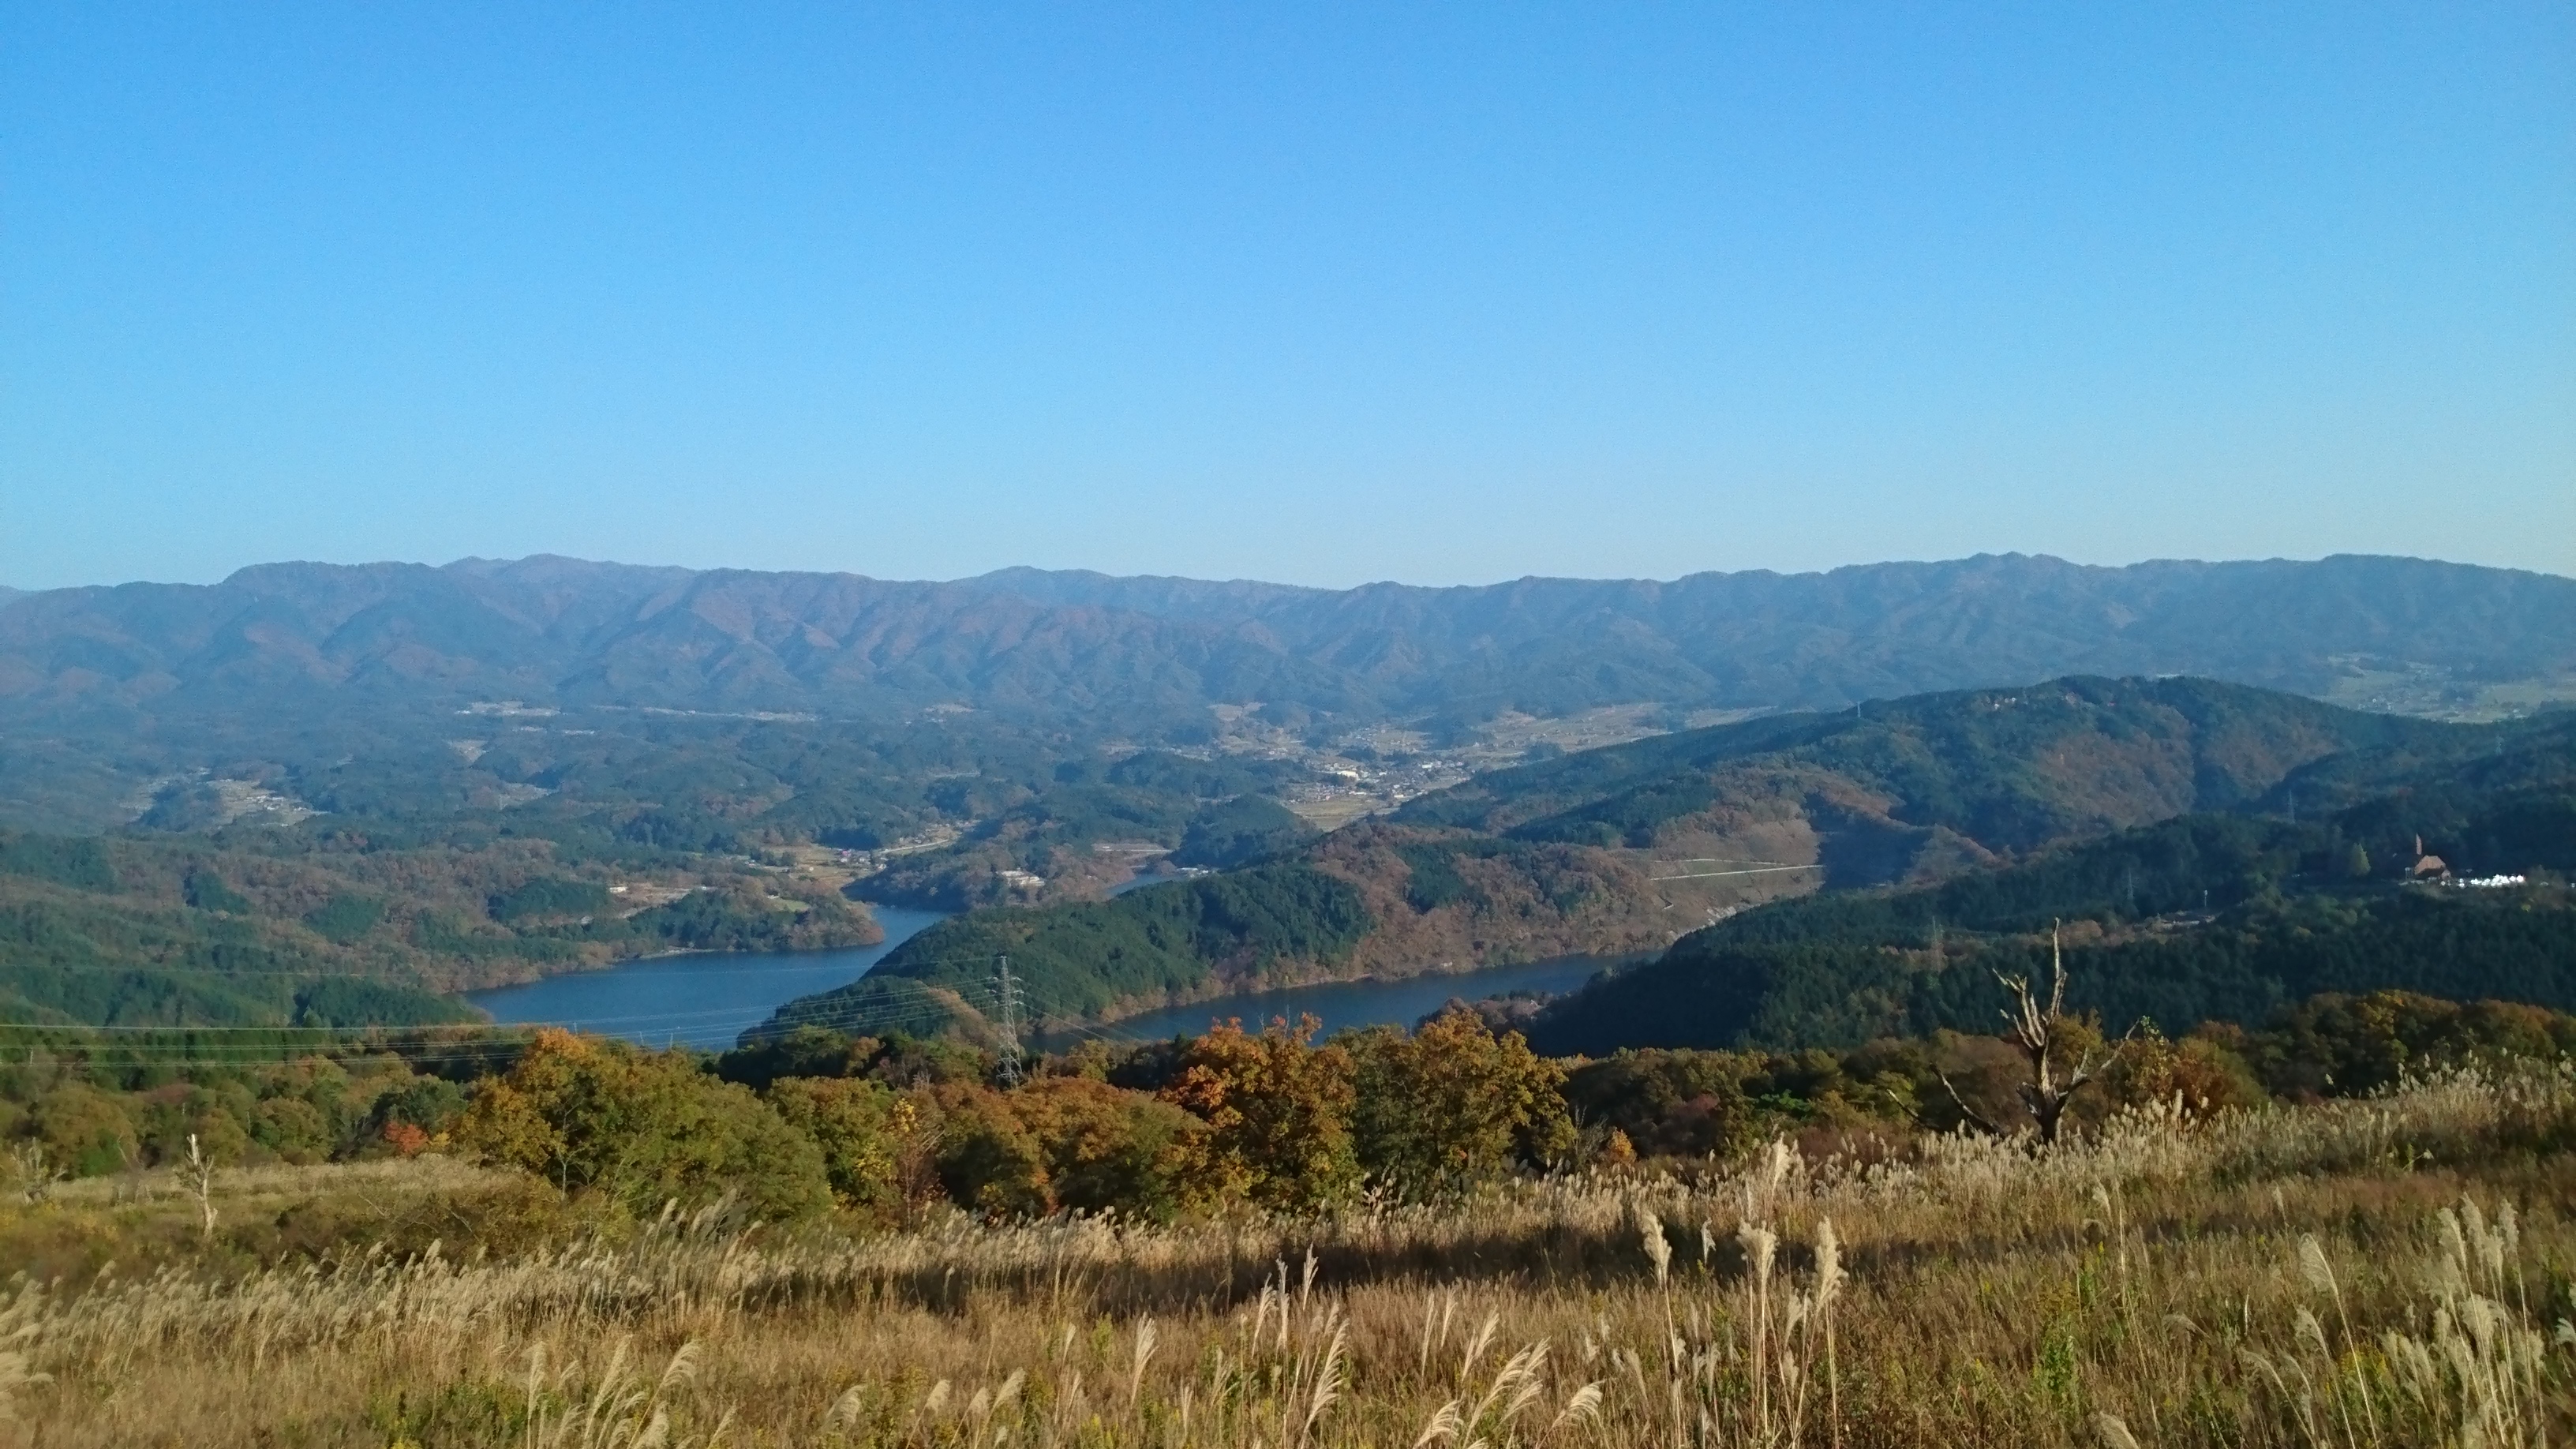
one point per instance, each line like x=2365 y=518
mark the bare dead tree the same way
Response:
x=36 y=1177
x=2036 y=1032
x=199 y=1177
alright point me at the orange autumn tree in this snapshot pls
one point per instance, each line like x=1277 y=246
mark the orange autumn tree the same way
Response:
x=1111 y=1149
x=1278 y=1115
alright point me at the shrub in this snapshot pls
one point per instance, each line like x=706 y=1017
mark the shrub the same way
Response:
x=1108 y=1149
x=2200 y=1072
x=1278 y=1113
x=867 y=1134
x=427 y=1105
x=1453 y=1105
x=2338 y=1045
x=85 y=1131
x=988 y=1159
x=805 y=1051
x=1669 y=1103
x=643 y=1128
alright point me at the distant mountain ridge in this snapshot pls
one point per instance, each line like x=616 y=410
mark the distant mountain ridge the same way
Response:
x=1882 y=630
x=1145 y=653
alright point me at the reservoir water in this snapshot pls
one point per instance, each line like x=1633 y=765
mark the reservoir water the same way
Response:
x=701 y=999
x=707 y=999
x=1340 y=1004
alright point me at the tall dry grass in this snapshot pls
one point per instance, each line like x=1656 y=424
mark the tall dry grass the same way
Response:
x=2384 y=1272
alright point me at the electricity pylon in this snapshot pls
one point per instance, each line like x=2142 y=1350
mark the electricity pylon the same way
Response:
x=1009 y=1025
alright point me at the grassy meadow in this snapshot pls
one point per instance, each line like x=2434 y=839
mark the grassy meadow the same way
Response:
x=2388 y=1270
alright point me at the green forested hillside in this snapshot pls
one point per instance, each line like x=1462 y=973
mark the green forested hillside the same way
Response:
x=2200 y=918
x=1718 y=992
x=1237 y=832
x=1619 y=851
x=1366 y=900
x=1080 y=960
x=337 y=928
x=147 y=967
x=2012 y=770
x=112 y=680
x=1085 y=830
x=486 y=851
x=380 y=760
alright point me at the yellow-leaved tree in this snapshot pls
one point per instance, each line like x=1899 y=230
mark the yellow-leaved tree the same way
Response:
x=1453 y=1105
x=644 y=1128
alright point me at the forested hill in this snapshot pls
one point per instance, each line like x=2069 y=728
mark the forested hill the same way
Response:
x=1870 y=631
x=1138 y=654
x=2199 y=918
x=1618 y=851
x=1990 y=772
x=1085 y=960
x=343 y=928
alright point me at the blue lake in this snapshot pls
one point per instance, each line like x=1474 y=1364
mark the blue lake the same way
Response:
x=1343 y=1004
x=707 y=999
x=703 y=999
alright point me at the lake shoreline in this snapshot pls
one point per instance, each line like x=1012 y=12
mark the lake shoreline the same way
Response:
x=1357 y=1001
x=706 y=1000
x=697 y=998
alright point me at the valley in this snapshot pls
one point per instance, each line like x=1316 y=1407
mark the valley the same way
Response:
x=1563 y=954
x=1626 y=850
x=583 y=865
x=1344 y=787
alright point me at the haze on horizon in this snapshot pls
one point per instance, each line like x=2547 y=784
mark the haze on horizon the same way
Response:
x=1317 y=298
x=1253 y=579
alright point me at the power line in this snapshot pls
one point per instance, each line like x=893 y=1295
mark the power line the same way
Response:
x=153 y=1044
x=859 y=1015
x=868 y=1018
x=101 y=968
x=282 y=1055
x=348 y=1028
x=1005 y=1002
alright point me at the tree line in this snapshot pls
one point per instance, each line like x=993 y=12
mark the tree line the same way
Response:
x=876 y=1131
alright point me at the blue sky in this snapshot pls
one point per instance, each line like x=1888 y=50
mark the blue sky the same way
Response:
x=1313 y=293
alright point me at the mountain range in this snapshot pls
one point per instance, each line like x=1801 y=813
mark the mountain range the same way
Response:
x=1148 y=655
x=421 y=745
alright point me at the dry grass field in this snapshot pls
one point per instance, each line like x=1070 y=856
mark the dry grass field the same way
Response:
x=2392 y=1271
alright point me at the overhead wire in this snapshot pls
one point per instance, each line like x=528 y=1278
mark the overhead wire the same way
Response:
x=171 y=1043
x=377 y=978
x=857 y=1016
x=703 y=1029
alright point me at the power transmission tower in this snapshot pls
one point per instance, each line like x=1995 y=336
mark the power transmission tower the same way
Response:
x=1010 y=1026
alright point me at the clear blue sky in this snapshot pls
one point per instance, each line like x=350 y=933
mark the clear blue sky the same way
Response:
x=1304 y=292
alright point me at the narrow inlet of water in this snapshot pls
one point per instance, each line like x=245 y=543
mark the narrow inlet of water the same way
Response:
x=1343 y=1004
x=702 y=999
x=707 y=999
